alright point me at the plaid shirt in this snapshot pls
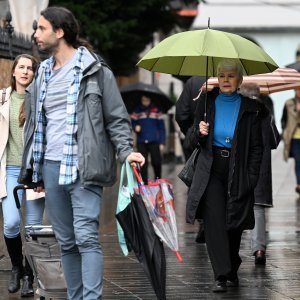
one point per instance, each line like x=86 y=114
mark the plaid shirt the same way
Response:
x=69 y=164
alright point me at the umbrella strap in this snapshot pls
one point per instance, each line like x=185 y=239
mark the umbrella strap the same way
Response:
x=131 y=181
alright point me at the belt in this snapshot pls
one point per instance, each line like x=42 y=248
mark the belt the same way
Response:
x=223 y=152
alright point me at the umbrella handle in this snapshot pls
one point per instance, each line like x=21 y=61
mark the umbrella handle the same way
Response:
x=137 y=173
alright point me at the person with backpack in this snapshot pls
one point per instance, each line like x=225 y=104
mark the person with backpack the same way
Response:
x=77 y=122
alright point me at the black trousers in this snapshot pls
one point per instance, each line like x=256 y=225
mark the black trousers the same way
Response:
x=153 y=149
x=222 y=245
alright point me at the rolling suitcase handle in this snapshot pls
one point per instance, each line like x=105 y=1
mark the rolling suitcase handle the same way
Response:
x=16 y=196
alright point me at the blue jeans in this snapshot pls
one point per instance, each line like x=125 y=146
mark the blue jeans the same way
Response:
x=11 y=216
x=74 y=214
x=295 y=151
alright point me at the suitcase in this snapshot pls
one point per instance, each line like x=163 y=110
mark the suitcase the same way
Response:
x=43 y=254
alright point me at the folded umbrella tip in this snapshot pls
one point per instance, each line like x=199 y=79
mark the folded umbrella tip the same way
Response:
x=178 y=255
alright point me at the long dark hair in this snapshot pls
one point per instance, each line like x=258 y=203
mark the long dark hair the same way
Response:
x=62 y=18
x=13 y=82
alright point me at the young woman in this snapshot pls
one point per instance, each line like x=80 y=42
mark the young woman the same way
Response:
x=12 y=119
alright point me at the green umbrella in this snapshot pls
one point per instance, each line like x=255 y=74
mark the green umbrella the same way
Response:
x=198 y=52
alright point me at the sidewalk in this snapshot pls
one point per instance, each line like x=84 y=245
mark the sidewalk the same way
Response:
x=191 y=279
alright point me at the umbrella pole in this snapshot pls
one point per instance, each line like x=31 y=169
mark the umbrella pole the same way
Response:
x=206 y=78
x=205 y=102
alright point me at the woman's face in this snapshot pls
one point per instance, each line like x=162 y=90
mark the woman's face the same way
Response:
x=23 y=73
x=229 y=81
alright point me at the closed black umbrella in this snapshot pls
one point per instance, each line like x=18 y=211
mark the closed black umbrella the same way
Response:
x=132 y=93
x=141 y=238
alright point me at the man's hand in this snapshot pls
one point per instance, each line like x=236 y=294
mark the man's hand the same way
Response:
x=39 y=189
x=136 y=157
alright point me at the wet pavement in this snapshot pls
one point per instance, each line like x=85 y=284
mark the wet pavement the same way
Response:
x=192 y=279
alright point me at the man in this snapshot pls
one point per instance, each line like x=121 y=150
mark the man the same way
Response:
x=185 y=108
x=75 y=119
x=149 y=126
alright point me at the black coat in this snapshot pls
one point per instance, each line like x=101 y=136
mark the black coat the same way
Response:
x=185 y=105
x=244 y=166
x=271 y=138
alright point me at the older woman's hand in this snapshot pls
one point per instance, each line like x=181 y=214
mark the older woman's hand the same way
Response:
x=203 y=128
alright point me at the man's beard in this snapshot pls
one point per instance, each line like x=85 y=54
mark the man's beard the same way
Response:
x=48 y=48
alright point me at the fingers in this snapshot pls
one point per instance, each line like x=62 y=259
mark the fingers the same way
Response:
x=39 y=189
x=203 y=128
x=136 y=157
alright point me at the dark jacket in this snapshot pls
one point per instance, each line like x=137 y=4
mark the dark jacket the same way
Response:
x=151 y=122
x=244 y=166
x=104 y=128
x=271 y=139
x=185 y=105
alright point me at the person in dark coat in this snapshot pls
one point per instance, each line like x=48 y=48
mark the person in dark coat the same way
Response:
x=185 y=110
x=186 y=106
x=263 y=191
x=227 y=170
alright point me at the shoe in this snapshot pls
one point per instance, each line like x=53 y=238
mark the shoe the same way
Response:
x=27 y=287
x=260 y=257
x=297 y=189
x=14 y=282
x=233 y=282
x=200 y=235
x=220 y=287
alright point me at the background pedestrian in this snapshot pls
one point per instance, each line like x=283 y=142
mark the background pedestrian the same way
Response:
x=290 y=123
x=263 y=191
x=185 y=110
x=149 y=126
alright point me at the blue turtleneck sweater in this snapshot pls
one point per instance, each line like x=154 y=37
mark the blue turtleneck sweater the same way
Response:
x=227 y=110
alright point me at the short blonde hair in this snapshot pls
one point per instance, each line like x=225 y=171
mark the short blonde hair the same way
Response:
x=229 y=64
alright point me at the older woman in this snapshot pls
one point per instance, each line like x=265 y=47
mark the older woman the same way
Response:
x=227 y=170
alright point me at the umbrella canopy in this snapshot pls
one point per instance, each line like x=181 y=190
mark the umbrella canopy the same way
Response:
x=295 y=65
x=198 y=52
x=132 y=94
x=159 y=202
x=281 y=79
x=141 y=238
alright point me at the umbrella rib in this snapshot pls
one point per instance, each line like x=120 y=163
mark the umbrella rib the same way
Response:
x=181 y=65
x=242 y=63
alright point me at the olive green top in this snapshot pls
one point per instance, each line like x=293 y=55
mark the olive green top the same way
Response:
x=15 y=140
